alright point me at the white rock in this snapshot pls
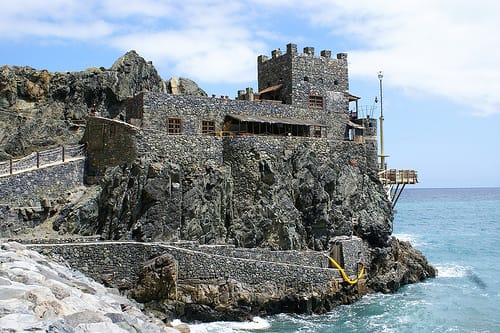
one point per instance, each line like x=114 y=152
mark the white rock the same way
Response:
x=99 y=327
x=17 y=321
x=37 y=294
x=17 y=292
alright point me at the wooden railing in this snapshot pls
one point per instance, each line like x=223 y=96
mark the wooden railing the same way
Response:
x=41 y=159
x=393 y=176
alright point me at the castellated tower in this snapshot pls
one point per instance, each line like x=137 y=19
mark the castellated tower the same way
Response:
x=305 y=80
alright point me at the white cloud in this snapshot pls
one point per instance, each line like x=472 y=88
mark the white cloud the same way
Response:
x=208 y=42
x=447 y=48
x=197 y=53
x=58 y=19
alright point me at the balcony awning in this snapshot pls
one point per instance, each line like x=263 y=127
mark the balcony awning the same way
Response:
x=272 y=88
x=274 y=120
x=354 y=125
x=351 y=97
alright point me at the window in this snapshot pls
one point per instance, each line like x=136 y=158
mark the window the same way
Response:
x=316 y=131
x=316 y=102
x=208 y=127
x=174 y=125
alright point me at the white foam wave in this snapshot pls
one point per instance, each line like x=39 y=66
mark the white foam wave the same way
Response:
x=408 y=238
x=452 y=271
x=230 y=327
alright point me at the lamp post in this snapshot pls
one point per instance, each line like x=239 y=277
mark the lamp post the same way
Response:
x=382 y=155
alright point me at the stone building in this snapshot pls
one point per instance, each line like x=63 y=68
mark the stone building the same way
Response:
x=300 y=95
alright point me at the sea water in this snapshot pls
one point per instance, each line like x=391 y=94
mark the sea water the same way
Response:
x=458 y=230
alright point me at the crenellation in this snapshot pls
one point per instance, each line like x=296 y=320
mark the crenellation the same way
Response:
x=276 y=53
x=326 y=53
x=291 y=48
x=262 y=58
x=309 y=51
x=342 y=56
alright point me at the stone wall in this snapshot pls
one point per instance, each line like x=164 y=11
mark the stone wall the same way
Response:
x=305 y=73
x=109 y=143
x=194 y=153
x=28 y=188
x=118 y=264
x=352 y=249
x=157 y=108
x=191 y=152
x=304 y=258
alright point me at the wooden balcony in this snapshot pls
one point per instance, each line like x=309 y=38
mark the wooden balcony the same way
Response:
x=396 y=177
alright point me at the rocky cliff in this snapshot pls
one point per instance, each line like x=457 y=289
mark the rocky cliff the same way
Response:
x=278 y=196
x=41 y=109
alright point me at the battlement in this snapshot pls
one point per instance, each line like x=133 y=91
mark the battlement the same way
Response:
x=308 y=51
x=303 y=79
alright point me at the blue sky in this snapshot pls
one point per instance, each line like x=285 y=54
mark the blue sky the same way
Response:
x=441 y=60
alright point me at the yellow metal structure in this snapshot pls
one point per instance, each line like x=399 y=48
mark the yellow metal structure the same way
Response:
x=344 y=275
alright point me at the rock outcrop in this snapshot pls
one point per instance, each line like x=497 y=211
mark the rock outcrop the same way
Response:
x=41 y=109
x=157 y=280
x=397 y=265
x=291 y=200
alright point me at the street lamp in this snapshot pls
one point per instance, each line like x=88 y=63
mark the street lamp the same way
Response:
x=382 y=155
x=380 y=76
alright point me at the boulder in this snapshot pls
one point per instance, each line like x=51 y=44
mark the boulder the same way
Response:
x=157 y=280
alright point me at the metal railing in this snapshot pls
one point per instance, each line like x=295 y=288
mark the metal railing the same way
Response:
x=41 y=159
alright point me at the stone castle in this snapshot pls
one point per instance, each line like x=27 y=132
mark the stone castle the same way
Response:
x=300 y=96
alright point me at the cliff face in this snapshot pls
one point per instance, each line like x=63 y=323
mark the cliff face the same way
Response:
x=285 y=198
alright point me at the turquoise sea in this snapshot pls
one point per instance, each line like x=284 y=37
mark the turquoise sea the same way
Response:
x=458 y=230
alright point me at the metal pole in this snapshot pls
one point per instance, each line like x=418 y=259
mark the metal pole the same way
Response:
x=382 y=156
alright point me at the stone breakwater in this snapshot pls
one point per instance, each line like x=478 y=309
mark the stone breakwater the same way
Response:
x=214 y=282
x=38 y=295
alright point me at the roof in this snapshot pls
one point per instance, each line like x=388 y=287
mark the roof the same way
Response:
x=353 y=124
x=351 y=97
x=273 y=120
x=272 y=88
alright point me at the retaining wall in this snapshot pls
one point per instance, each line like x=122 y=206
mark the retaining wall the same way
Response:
x=118 y=264
x=28 y=188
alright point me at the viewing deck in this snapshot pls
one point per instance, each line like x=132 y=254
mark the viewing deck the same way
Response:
x=394 y=182
x=394 y=177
